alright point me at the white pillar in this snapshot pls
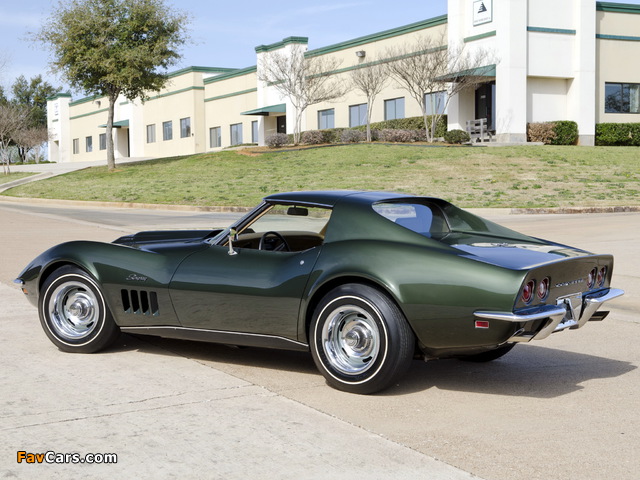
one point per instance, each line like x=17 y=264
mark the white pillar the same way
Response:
x=511 y=71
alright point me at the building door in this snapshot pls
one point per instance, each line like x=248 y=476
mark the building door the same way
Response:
x=486 y=103
x=281 y=124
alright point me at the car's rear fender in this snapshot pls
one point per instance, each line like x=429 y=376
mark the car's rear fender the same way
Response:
x=437 y=292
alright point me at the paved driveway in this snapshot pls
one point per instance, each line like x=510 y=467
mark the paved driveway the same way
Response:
x=566 y=407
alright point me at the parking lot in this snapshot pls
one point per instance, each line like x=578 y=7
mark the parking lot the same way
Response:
x=565 y=407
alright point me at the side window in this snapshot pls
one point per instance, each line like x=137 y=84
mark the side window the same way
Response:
x=301 y=227
x=425 y=219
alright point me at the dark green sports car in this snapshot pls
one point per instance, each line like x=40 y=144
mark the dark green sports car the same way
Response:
x=364 y=280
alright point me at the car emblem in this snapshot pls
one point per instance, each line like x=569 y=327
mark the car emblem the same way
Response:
x=572 y=282
x=134 y=277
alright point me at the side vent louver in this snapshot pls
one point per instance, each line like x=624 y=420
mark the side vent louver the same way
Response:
x=140 y=302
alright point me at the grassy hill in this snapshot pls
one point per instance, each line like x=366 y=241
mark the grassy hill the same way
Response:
x=524 y=176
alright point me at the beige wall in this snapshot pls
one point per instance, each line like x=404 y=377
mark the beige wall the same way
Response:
x=86 y=116
x=547 y=88
x=617 y=60
x=224 y=101
x=373 y=50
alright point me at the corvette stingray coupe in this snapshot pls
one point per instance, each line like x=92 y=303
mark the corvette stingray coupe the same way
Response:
x=365 y=281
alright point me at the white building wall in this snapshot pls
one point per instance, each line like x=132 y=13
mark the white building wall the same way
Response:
x=510 y=17
x=59 y=145
x=546 y=99
x=582 y=90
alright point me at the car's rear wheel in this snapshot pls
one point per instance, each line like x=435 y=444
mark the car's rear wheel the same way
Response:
x=74 y=314
x=490 y=355
x=360 y=340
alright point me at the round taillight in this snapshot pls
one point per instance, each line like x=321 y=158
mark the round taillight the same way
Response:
x=543 y=288
x=528 y=291
x=591 y=279
x=602 y=274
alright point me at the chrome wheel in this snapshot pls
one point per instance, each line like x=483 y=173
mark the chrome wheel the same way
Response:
x=351 y=340
x=359 y=339
x=73 y=310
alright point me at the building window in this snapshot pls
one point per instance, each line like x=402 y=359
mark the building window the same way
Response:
x=103 y=141
x=76 y=146
x=435 y=102
x=167 y=130
x=622 y=98
x=89 y=144
x=254 y=131
x=236 y=134
x=357 y=115
x=326 y=119
x=394 y=108
x=215 y=137
x=151 y=133
x=185 y=127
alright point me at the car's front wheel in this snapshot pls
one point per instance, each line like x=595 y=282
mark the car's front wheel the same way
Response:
x=74 y=314
x=360 y=340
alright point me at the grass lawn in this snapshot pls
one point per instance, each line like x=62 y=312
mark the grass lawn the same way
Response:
x=523 y=176
x=13 y=176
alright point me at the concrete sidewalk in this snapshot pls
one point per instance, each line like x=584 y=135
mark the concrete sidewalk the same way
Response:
x=168 y=416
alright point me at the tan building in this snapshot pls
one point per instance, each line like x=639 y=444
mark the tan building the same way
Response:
x=554 y=60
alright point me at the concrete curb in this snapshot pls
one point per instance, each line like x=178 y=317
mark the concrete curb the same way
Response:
x=570 y=210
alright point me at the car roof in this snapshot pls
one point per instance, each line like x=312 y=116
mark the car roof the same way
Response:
x=329 y=198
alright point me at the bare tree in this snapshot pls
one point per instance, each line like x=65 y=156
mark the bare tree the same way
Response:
x=370 y=78
x=428 y=66
x=303 y=80
x=13 y=119
x=31 y=138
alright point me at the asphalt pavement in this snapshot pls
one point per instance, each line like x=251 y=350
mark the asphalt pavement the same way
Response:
x=565 y=407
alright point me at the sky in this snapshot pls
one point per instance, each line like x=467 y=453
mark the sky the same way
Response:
x=224 y=34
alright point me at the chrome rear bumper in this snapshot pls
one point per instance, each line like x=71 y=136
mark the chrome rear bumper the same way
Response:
x=572 y=311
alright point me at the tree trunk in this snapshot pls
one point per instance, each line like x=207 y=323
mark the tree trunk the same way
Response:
x=111 y=159
x=369 y=109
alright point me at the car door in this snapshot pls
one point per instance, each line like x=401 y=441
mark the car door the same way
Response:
x=253 y=291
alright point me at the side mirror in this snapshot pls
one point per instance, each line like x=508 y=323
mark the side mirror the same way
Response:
x=298 y=211
x=232 y=236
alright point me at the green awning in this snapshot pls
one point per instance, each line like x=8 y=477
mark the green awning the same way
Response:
x=118 y=124
x=486 y=71
x=265 y=111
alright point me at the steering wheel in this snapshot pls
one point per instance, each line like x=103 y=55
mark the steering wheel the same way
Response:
x=283 y=245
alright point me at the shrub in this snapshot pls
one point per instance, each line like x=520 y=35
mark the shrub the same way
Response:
x=411 y=123
x=412 y=130
x=566 y=133
x=540 y=132
x=276 y=140
x=562 y=132
x=396 y=135
x=312 y=137
x=456 y=136
x=618 y=134
x=352 y=136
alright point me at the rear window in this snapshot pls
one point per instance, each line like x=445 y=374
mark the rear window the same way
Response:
x=425 y=219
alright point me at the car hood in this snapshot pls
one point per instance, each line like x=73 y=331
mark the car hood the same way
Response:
x=517 y=254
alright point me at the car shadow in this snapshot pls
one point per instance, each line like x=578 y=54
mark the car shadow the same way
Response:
x=285 y=360
x=527 y=371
